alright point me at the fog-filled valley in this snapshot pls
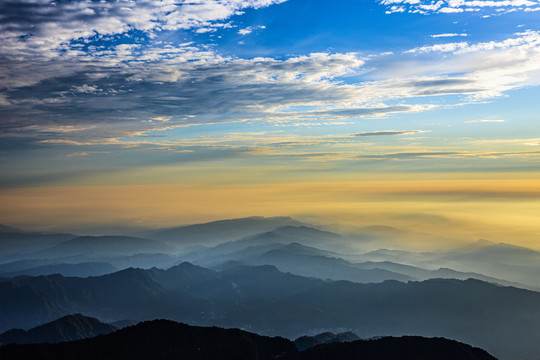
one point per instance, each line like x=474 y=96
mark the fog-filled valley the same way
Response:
x=276 y=277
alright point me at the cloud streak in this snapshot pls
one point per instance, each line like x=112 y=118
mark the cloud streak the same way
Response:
x=445 y=35
x=52 y=26
x=428 y=7
x=391 y=132
x=484 y=121
x=250 y=29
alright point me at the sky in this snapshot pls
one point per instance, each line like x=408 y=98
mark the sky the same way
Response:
x=417 y=114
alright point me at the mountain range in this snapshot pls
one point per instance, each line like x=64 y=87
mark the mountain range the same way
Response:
x=502 y=320
x=277 y=276
x=162 y=339
x=66 y=328
x=216 y=232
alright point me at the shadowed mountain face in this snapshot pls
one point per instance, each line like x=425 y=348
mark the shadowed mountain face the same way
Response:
x=390 y=348
x=305 y=342
x=502 y=320
x=67 y=328
x=161 y=339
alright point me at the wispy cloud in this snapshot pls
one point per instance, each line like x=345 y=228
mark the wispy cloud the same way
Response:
x=414 y=155
x=484 y=121
x=526 y=39
x=250 y=29
x=70 y=71
x=529 y=142
x=406 y=155
x=391 y=132
x=483 y=7
x=445 y=35
x=51 y=26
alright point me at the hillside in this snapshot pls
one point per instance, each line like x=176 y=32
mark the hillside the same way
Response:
x=67 y=328
x=502 y=320
x=164 y=340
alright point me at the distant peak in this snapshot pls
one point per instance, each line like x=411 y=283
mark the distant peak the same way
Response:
x=184 y=266
x=77 y=316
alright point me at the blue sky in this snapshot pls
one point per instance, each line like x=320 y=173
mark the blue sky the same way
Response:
x=97 y=93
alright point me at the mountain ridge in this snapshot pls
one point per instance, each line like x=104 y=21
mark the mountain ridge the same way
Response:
x=164 y=340
x=263 y=299
x=66 y=328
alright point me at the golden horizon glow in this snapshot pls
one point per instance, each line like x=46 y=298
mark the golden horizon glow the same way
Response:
x=452 y=210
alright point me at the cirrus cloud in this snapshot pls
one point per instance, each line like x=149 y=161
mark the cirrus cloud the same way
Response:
x=391 y=132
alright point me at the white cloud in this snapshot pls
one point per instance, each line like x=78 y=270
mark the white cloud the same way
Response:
x=524 y=40
x=51 y=26
x=448 y=47
x=250 y=29
x=176 y=85
x=484 y=121
x=448 y=35
x=391 y=132
x=86 y=89
x=427 y=7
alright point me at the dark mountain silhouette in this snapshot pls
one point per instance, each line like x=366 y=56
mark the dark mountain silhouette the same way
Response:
x=216 y=232
x=392 y=348
x=30 y=301
x=67 y=328
x=80 y=269
x=304 y=342
x=162 y=339
x=502 y=320
x=120 y=324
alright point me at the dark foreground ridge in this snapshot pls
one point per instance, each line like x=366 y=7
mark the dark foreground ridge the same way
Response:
x=164 y=340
